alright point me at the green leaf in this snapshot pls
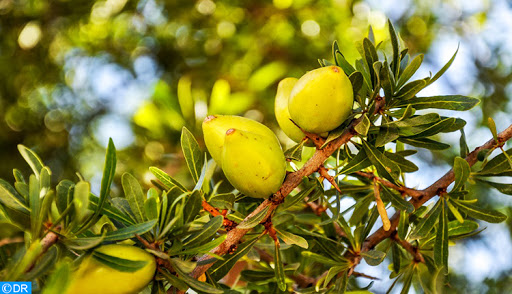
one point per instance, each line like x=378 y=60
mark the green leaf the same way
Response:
x=491 y=216
x=81 y=200
x=441 y=243
x=295 y=152
x=451 y=102
x=64 y=194
x=119 y=264
x=44 y=264
x=461 y=169
x=407 y=281
x=456 y=227
x=254 y=220
x=174 y=281
x=454 y=211
x=396 y=48
x=199 y=286
x=109 y=171
x=363 y=126
x=397 y=200
x=409 y=70
x=110 y=211
x=220 y=268
x=435 y=128
x=444 y=69
x=279 y=269
x=290 y=200
x=34 y=202
x=320 y=258
x=405 y=165
x=167 y=180
x=424 y=143
x=373 y=257
x=408 y=92
x=333 y=271
x=35 y=163
x=396 y=257
x=59 y=280
x=499 y=164
x=10 y=198
x=386 y=134
x=385 y=167
x=292 y=239
x=357 y=81
x=387 y=82
x=464 y=149
x=205 y=248
x=503 y=188
x=427 y=223
x=344 y=64
x=223 y=201
x=151 y=208
x=193 y=206
x=206 y=233
x=134 y=195
x=357 y=163
x=193 y=154
x=120 y=234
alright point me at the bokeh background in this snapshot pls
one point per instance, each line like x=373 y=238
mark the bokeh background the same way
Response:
x=74 y=73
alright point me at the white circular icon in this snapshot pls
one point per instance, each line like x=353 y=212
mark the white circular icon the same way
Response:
x=7 y=288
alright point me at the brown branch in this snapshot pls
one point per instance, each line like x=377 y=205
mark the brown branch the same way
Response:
x=324 y=173
x=8 y=241
x=403 y=190
x=362 y=275
x=291 y=182
x=437 y=187
x=414 y=251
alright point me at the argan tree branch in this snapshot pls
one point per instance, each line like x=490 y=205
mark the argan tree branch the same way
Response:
x=436 y=188
x=409 y=191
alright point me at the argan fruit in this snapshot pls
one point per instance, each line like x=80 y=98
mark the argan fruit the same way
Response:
x=281 y=110
x=215 y=127
x=93 y=276
x=253 y=164
x=321 y=99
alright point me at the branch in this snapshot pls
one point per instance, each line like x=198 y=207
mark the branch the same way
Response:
x=418 y=257
x=291 y=182
x=438 y=187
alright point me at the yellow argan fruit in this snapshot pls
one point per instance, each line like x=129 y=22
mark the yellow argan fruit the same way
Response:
x=321 y=99
x=281 y=110
x=253 y=164
x=93 y=277
x=215 y=127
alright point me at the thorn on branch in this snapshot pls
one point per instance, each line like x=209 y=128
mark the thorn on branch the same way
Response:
x=316 y=139
x=325 y=174
x=414 y=251
x=228 y=224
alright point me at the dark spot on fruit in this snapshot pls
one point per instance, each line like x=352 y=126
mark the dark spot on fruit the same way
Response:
x=335 y=69
x=230 y=131
x=209 y=118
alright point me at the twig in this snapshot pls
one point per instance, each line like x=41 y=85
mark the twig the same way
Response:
x=409 y=191
x=228 y=224
x=362 y=275
x=325 y=174
x=8 y=241
x=414 y=251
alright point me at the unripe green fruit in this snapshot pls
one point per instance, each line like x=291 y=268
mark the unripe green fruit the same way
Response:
x=94 y=277
x=216 y=126
x=281 y=110
x=253 y=164
x=321 y=99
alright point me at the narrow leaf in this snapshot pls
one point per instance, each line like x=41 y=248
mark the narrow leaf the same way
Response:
x=193 y=154
x=461 y=169
x=167 y=180
x=451 y=102
x=278 y=268
x=33 y=160
x=441 y=243
x=253 y=221
x=134 y=195
x=119 y=264
x=427 y=223
x=373 y=257
x=491 y=216
x=292 y=239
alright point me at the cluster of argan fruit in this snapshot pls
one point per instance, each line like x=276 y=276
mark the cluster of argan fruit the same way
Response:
x=249 y=152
